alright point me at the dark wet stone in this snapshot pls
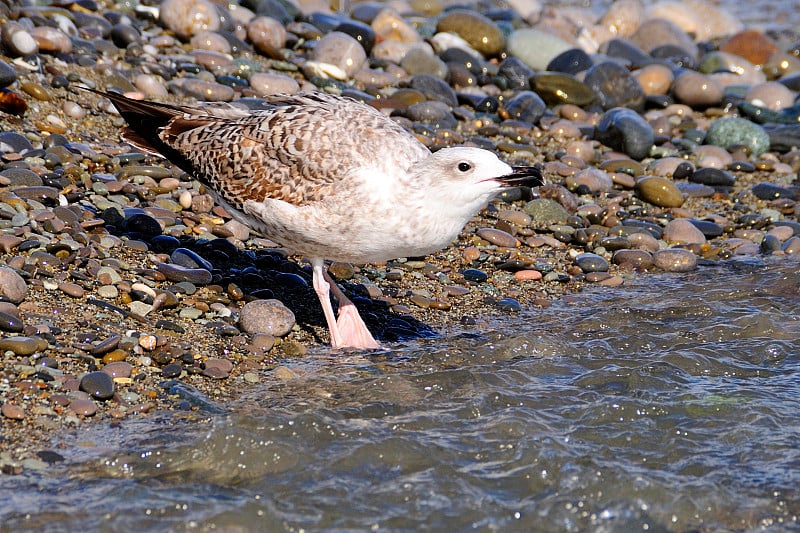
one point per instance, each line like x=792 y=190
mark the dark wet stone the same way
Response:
x=783 y=138
x=570 y=62
x=770 y=244
x=742 y=166
x=98 y=384
x=708 y=228
x=291 y=280
x=192 y=397
x=516 y=72
x=21 y=177
x=123 y=34
x=463 y=58
x=434 y=89
x=43 y=194
x=561 y=88
x=143 y=224
x=614 y=86
x=614 y=242
x=624 y=49
x=769 y=191
x=653 y=229
x=624 y=130
x=633 y=258
x=11 y=141
x=10 y=323
x=659 y=191
x=675 y=55
x=509 y=305
x=683 y=170
x=359 y=31
x=189 y=259
x=475 y=275
x=171 y=370
x=481 y=33
x=713 y=177
x=589 y=262
x=433 y=112
x=695 y=190
x=732 y=131
x=164 y=243
x=485 y=104
x=7 y=74
x=526 y=106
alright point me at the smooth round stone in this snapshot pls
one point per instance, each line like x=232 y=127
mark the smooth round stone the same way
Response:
x=71 y=289
x=171 y=370
x=590 y=179
x=526 y=106
x=682 y=231
x=143 y=224
x=570 y=62
x=434 y=89
x=11 y=141
x=422 y=61
x=10 y=323
x=509 y=305
x=189 y=259
x=654 y=78
x=659 y=191
x=675 y=260
x=769 y=191
x=655 y=33
x=267 y=34
x=624 y=130
x=644 y=241
x=770 y=244
x=589 y=262
x=124 y=34
x=434 y=112
x=51 y=40
x=695 y=89
x=23 y=345
x=626 y=50
x=359 y=31
x=266 y=316
x=633 y=258
x=713 y=177
x=188 y=17
x=17 y=40
x=14 y=412
x=710 y=229
x=475 y=275
x=792 y=246
x=731 y=131
x=546 y=211
x=516 y=72
x=614 y=86
x=751 y=45
x=98 y=384
x=12 y=287
x=177 y=273
x=119 y=369
x=340 y=50
x=480 y=32
x=560 y=88
x=202 y=90
x=498 y=237
x=83 y=407
x=536 y=48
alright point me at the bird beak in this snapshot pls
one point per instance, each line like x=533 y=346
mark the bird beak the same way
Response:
x=522 y=176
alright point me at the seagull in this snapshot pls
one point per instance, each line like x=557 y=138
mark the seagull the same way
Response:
x=326 y=176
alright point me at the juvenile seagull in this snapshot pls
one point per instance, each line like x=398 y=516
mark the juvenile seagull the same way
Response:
x=329 y=178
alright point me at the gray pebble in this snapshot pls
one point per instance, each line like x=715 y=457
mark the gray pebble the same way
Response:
x=98 y=384
x=266 y=316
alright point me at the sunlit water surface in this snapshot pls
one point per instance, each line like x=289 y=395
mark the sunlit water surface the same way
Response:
x=671 y=404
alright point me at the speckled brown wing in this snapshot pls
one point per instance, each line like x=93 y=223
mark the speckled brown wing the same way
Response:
x=299 y=150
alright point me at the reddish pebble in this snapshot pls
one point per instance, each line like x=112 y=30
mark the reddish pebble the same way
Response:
x=83 y=407
x=751 y=45
x=14 y=412
x=527 y=275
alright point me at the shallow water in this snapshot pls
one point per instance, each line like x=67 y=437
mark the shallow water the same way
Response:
x=670 y=404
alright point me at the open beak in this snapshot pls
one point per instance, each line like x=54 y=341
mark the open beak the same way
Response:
x=522 y=176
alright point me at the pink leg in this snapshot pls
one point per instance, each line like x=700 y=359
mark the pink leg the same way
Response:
x=349 y=331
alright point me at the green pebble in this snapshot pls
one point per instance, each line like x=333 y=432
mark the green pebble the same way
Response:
x=731 y=131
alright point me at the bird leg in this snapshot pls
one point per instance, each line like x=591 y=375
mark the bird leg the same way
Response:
x=349 y=330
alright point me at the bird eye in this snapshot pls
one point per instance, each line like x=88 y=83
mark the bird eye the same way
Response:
x=464 y=166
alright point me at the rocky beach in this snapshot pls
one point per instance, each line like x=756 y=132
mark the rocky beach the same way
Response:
x=668 y=134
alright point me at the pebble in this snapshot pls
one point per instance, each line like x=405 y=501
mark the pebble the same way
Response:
x=713 y=177
x=535 y=48
x=13 y=412
x=696 y=89
x=23 y=345
x=624 y=130
x=189 y=17
x=98 y=384
x=481 y=33
x=675 y=260
x=615 y=87
x=589 y=262
x=342 y=51
x=682 y=231
x=498 y=237
x=10 y=323
x=266 y=317
x=731 y=131
x=12 y=287
x=83 y=407
x=546 y=211
x=659 y=191
x=178 y=273
x=118 y=369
